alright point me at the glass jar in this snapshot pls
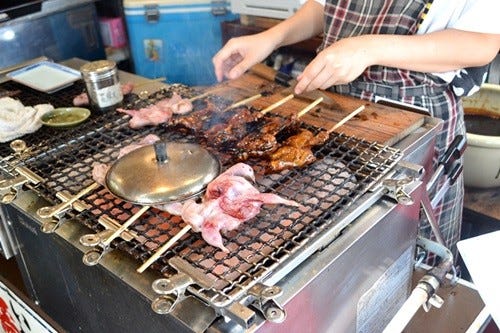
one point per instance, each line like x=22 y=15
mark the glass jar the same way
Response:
x=103 y=85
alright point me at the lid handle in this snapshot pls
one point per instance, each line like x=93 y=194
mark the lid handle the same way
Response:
x=160 y=151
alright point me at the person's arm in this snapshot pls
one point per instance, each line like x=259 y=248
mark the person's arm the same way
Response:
x=440 y=51
x=240 y=53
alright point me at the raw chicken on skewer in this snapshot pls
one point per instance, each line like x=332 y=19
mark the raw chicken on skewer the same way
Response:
x=159 y=112
x=230 y=200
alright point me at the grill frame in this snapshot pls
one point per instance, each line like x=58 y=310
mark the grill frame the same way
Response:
x=99 y=124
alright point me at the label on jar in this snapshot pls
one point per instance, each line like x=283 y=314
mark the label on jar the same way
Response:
x=108 y=96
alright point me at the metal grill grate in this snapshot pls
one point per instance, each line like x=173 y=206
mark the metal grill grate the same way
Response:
x=345 y=170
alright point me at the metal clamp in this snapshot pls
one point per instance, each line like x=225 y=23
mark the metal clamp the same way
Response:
x=10 y=187
x=396 y=190
x=266 y=304
x=172 y=291
x=99 y=240
x=57 y=212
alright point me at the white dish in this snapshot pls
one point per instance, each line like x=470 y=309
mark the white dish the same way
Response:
x=45 y=76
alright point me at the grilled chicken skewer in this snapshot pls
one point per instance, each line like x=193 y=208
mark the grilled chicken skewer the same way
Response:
x=264 y=141
x=296 y=151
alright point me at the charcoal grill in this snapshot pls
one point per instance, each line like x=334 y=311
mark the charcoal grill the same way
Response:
x=239 y=290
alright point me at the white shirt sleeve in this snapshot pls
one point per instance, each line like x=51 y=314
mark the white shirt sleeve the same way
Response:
x=467 y=15
x=321 y=2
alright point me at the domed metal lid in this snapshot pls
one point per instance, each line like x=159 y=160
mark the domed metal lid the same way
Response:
x=161 y=173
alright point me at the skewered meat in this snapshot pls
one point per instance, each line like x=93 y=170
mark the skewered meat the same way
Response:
x=228 y=133
x=99 y=170
x=230 y=200
x=83 y=98
x=194 y=121
x=263 y=136
x=158 y=113
x=151 y=115
x=176 y=103
x=306 y=138
x=287 y=157
x=296 y=150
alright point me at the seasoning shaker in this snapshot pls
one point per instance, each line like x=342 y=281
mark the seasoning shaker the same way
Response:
x=102 y=83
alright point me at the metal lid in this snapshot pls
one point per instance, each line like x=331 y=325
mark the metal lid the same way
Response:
x=98 y=68
x=162 y=173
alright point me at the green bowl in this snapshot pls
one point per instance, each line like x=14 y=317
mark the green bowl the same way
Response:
x=65 y=117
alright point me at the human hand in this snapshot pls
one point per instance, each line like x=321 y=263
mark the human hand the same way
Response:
x=239 y=54
x=340 y=63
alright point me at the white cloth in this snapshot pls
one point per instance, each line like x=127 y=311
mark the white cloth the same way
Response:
x=17 y=120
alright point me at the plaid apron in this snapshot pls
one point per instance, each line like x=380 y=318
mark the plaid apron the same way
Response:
x=346 y=18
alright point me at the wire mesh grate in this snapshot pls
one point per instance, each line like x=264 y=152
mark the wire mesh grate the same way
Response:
x=345 y=169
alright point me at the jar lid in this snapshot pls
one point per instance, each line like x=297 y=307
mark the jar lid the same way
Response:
x=161 y=173
x=98 y=67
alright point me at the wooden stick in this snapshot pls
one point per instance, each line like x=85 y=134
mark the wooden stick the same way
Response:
x=140 y=84
x=163 y=249
x=309 y=107
x=345 y=119
x=205 y=94
x=125 y=225
x=243 y=102
x=47 y=212
x=278 y=103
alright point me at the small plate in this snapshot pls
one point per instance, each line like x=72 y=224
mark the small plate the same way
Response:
x=45 y=76
x=65 y=117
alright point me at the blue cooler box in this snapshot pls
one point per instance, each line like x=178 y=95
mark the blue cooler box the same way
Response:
x=176 y=39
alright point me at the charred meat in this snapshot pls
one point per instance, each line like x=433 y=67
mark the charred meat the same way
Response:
x=296 y=151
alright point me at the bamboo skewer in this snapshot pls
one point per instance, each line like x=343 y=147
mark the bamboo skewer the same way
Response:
x=205 y=94
x=163 y=249
x=243 y=102
x=278 y=103
x=125 y=225
x=145 y=83
x=46 y=212
x=309 y=107
x=345 y=119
